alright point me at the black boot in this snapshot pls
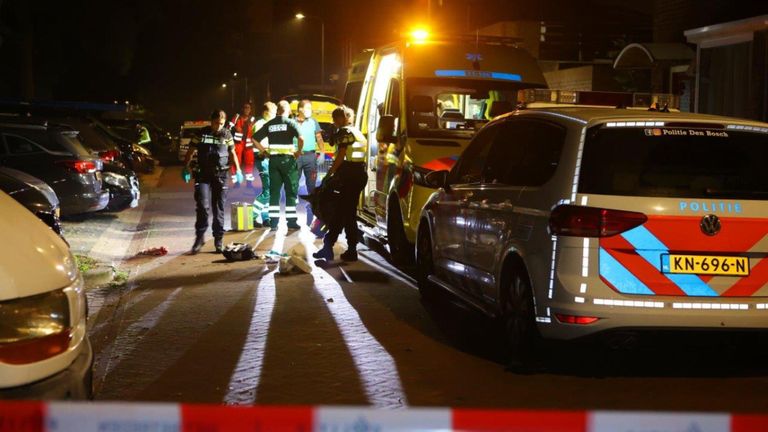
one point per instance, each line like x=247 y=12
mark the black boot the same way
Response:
x=199 y=242
x=350 y=255
x=325 y=253
x=217 y=243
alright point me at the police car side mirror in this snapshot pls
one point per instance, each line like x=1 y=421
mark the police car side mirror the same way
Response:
x=437 y=179
x=387 y=130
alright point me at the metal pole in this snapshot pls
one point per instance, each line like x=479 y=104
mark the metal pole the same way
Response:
x=322 y=55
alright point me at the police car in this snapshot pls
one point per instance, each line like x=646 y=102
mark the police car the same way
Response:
x=571 y=220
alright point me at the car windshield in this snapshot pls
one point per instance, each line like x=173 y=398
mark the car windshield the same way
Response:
x=442 y=107
x=675 y=162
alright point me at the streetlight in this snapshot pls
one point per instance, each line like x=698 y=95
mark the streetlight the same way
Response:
x=300 y=16
x=224 y=85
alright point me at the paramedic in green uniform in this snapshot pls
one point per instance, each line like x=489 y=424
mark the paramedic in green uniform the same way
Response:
x=261 y=203
x=283 y=169
x=313 y=149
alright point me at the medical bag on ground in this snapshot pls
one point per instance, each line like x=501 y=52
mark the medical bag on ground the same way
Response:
x=238 y=252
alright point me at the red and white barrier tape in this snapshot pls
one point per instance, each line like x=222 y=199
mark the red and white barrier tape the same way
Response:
x=140 y=417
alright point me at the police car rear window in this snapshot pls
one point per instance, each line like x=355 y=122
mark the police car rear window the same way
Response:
x=675 y=162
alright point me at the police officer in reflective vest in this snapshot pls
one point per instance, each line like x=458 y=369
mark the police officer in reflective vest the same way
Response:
x=283 y=169
x=261 y=203
x=242 y=128
x=143 y=138
x=215 y=150
x=349 y=175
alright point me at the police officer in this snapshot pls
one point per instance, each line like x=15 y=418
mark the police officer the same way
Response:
x=142 y=135
x=215 y=150
x=283 y=169
x=261 y=203
x=348 y=173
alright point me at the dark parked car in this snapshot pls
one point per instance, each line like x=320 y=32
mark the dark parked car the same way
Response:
x=141 y=158
x=34 y=194
x=122 y=183
x=123 y=186
x=55 y=155
x=94 y=140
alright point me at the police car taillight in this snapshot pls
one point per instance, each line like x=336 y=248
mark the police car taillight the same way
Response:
x=581 y=221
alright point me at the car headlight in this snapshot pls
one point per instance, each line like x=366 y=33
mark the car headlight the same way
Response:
x=117 y=180
x=34 y=328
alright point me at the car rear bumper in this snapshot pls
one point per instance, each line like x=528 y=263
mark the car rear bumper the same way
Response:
x=75 y=382
x=655 y=313
x=121 y=198
x=85 y=202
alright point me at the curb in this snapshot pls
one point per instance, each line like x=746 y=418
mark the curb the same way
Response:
x=86 y=417
x=101 y=274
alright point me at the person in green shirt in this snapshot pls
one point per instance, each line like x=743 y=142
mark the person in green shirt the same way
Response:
x=313 y=149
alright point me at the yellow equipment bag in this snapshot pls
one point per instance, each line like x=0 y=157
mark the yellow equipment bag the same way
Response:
x=242 y=216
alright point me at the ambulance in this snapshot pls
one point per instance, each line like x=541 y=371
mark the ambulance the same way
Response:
x=422 y=100
x=187 y=130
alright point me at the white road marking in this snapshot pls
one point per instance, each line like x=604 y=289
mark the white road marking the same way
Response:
x=246 y=377
x=245 y=380
x=376 y=367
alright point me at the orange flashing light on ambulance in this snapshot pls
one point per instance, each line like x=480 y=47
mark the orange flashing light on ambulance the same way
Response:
x=420 y=103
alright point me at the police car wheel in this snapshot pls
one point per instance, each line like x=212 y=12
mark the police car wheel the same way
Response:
x=518 y=316
x=424 y=262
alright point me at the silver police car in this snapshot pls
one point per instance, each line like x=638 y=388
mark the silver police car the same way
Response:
x=566 y=221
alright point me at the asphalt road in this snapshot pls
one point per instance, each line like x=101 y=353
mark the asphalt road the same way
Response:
x=200 y=329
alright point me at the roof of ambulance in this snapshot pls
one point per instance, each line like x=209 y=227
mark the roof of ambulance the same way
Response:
x=603 y=114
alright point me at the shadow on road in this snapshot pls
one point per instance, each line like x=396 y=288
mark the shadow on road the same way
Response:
x=682 y=354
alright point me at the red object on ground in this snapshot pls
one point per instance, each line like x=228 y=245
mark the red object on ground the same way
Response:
x=156 y=251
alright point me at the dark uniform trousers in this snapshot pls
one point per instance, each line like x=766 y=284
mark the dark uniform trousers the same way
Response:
x=211 y=194
x=351 y=178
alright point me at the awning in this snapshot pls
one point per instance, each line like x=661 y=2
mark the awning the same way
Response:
x=650 y=55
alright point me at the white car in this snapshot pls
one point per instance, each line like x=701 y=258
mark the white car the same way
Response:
x=569 y=221
x=44 y=349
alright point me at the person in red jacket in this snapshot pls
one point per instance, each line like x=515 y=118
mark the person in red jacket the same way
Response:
x=242 y=129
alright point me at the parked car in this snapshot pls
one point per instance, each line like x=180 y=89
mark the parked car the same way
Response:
x=161 y=140
x=55 y=155
x=122 y=183
x=141 y=159
x=44 y=348
x=98 y=143
x=123 y=186
x=34 y=194
x=568 y=222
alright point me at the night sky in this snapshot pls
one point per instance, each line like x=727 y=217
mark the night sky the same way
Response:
x=172 y=56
